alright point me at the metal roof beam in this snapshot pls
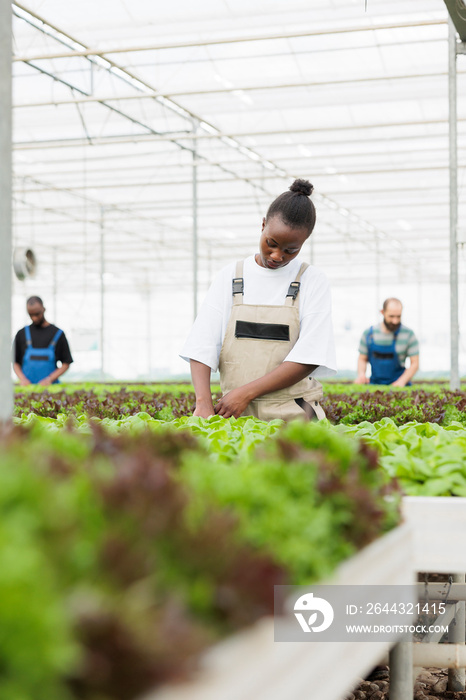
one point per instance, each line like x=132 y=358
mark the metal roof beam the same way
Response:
x=395 y=170
x=69 y=170
x=234 y=89
x=105 y=157
x=278 y=173
x=142 y=86
x=84 y=53
x=90 y=186
x=133 y=138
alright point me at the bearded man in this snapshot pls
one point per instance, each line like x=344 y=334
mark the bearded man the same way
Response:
x=386 y=346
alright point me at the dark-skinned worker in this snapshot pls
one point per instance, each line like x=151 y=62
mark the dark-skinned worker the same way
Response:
x=266 y=324
x=38 y=348
x=386 y=346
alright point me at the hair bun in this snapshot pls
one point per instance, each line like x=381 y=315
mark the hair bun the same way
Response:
x=302 y=187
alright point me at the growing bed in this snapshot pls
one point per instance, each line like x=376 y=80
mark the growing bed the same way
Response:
x=439 y=532
x=240 y=467
x=251 y=666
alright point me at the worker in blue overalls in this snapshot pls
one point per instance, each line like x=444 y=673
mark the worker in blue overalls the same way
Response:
x=386 y=346
x=38 y=348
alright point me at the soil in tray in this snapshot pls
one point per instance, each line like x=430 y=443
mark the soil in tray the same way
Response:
x=431 y=684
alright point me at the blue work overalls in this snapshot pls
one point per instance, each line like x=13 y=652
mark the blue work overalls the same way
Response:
x=385 y=365
x=38 y=363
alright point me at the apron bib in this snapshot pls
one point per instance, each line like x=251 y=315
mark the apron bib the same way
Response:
x=38 y=363
x=385 y=365
x=257 y=340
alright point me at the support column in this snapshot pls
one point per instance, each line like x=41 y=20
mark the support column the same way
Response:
x=54 y=282
x=401 y=671
x=149 y=327
x=6 y=385
x=379 y=301
x=452 y=118
x=195 y=241
x=419 y=304
x=102 y=292
x=456 y=635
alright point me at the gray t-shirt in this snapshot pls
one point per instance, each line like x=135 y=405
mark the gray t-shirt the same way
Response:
x=406 y=342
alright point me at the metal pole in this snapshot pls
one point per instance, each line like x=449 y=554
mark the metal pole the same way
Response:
x=102 y=292
x=456 y=634
x=439 y=656
x=221 y=40
x=419 y=304
x=195 y=241
x=452 y=86
x=54 y=288
x=401 y=671
x=209 y=261
x=453 y=592
x=6 y=385
x=377 y=275
x=149 y=328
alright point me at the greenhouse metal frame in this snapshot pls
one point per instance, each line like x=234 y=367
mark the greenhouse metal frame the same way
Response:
x=148 y=143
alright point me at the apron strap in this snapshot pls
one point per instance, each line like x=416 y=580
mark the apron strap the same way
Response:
x=27 y=332
x=55 y=338
x=293 y=289
x=238 y=284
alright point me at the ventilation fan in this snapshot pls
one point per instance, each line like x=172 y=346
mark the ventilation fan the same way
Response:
x=24 y=263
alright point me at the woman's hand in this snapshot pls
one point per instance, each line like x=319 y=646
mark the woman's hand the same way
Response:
x=233 y=403
x=286 y=374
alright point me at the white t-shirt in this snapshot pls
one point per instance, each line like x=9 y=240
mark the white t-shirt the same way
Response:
x=315 y=345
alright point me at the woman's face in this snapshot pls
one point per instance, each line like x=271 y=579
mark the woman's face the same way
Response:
x=279 y=243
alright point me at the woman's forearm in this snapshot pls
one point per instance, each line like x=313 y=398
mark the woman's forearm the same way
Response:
x=288 y=373
x=283 y=376
x=200 y=374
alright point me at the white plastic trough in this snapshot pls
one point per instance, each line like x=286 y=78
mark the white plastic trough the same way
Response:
x=251 y=666
x=439 y=532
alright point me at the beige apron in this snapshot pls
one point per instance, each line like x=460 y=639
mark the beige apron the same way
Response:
x=257 y=340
